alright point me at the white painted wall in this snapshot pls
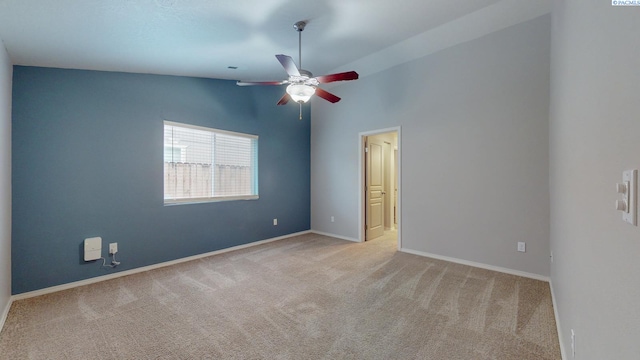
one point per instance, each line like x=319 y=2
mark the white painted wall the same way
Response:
x=594 y=136
x=474 y=121
x=6 y=72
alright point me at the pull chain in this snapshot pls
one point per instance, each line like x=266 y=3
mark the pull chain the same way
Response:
x=300 y=111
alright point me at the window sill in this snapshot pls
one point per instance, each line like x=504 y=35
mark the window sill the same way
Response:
x=208 y=200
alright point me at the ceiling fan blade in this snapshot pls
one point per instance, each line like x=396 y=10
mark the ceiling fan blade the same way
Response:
x=284 y=99
x=349 y=75
x=327 y=95
x=251 y=83
x=288 y=64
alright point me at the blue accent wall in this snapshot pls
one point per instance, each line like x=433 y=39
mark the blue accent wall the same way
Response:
x=87 y=158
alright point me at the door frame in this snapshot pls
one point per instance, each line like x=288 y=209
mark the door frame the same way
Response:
x=362 y=175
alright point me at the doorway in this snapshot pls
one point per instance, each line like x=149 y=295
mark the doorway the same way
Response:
x=380 y=185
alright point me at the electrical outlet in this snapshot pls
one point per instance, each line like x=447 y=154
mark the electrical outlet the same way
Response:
x=333 y=219
x=522 y=246
x=113 y=248
x=275 y=222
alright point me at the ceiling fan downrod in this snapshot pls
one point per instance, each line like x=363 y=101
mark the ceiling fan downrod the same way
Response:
x=299 y=26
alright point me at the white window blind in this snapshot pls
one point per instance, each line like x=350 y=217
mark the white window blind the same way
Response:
x=203 y=164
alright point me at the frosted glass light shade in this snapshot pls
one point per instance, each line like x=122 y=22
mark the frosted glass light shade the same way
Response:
x=300 y=93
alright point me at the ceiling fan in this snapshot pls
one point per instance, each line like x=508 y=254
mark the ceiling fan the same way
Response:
x=302 y=83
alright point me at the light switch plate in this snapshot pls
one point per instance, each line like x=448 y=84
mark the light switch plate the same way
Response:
x=630 y=177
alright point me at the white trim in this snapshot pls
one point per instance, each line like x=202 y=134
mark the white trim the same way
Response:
x=361 y=178
x=97 y=279
x=563 y=353
x=5 y=313
x=335 y=236
x=478 y=265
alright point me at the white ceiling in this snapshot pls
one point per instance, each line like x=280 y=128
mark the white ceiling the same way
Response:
x=203 y=37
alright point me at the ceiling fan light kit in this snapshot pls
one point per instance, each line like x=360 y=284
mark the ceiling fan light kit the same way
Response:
x=302 y=84
x=300 y=93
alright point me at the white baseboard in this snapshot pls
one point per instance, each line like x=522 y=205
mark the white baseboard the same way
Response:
x=335 y=236
x=97 y=279
x=5 y=313
x=563 y=354
x=478 y=265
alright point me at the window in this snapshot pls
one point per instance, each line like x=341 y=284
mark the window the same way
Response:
x=203 y=164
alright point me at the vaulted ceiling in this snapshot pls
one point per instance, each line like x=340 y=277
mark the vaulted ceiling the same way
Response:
x=205 y=37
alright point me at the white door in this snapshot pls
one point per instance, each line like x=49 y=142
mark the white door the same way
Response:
x=395 y=190
x=387 y=193
x=374 y=187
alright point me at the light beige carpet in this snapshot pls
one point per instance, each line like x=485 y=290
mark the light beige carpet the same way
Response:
x=307 y=297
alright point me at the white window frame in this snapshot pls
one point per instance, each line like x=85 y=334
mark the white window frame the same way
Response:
x=213 y=198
